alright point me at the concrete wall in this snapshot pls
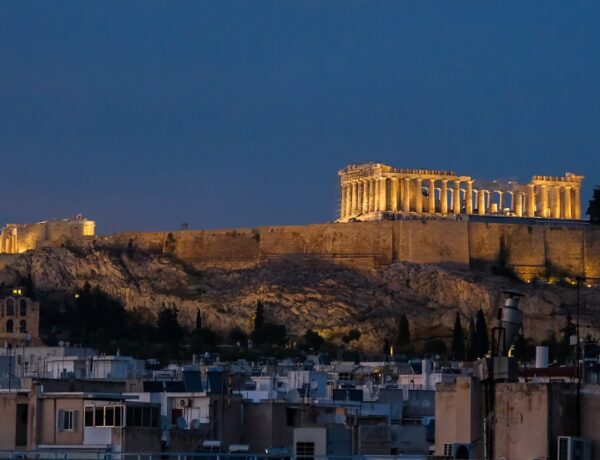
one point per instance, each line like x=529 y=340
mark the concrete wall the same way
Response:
x=529 y=249
x=458 y=414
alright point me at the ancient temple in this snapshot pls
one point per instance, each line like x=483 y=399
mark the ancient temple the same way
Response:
x=373 y=191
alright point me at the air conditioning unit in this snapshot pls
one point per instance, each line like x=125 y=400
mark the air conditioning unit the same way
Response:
x=459 y=450
x=185 y=403
x=572 y=448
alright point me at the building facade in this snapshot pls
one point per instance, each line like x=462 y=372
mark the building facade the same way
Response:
x=16 y=238
x=371 y=190
x=19 y=320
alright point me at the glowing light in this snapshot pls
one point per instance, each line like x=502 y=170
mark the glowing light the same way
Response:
x=77 y=296
x=17 y=292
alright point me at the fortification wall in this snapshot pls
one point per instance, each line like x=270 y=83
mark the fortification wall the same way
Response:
x=530 y=250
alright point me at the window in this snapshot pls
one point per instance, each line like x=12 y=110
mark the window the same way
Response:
x=10 y=307
x=146 y=416
x=305 y=450
x=118 y=416
x=22 y=326
x=22 y=307
x=10 y=326
x=109 y=416
x=99 y=416
x=103 y=416
x=66 y=420
x=89 y=416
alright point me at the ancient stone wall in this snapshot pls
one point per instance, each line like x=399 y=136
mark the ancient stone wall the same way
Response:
x=528 y=249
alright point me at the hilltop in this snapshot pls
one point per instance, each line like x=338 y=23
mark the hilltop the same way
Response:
x=300 y=292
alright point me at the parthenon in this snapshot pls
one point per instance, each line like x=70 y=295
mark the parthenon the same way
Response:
x=374 y=191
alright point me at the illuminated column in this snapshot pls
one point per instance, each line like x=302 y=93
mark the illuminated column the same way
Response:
x=469 y=197
x=370 y=196
x=431 y=204
x=365 y=197
x=348 y=206
x=361 y=195
x=530 y=200
x=500 y=201
x=419 y=197
x=568 y=213
x=456 y=198
x=518 y=197
x=577 y=203
x=406 y=195
x=481 y=202
x=343 y=203
x=444 y=197
x=376 y=203
x=354 y=197
x=394 y=194
x=383 y=195
x=556 y=202
x=545 y=211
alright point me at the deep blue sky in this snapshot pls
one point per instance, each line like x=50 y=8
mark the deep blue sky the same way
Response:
x=145 y=114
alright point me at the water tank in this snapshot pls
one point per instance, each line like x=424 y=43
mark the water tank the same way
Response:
x=541 y=357
x=512 y=318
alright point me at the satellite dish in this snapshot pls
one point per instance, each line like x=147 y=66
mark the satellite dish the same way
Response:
x=165 y=423
x=195 y=424
x=181 y=423
x=293 y=397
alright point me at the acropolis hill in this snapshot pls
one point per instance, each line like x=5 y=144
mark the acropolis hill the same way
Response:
x=350 y=274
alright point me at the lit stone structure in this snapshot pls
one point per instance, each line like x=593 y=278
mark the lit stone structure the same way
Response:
x=16 y=238
x=372 y=191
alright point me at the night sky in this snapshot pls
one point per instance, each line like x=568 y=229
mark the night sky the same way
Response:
x=146 y=114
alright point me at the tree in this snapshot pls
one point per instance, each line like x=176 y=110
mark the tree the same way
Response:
x=593 y=209
x=386 y=348
x=313 y=340
x=458 y=340
x=482 y=341
x=563 y=348
x=354 y=334
x=471 y=352
x=198 y=319
x=403 y=337
x=258 y=321
x=434 y=347
x=169 y=329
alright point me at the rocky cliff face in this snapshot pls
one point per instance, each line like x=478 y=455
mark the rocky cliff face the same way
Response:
x=303 y=293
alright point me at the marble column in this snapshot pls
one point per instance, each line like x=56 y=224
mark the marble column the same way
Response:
x=394 y=194
x=500 y=202
x=383 y=201
x=469 y=197
x=419 y=196
x=405 y=195
x=376 y=203
x=348 y=207
x=545 y=211
x=481 y=202
x=354 y=197
x=365 y=197
x=444 y=197
x=556 y=202
x=568 y=212
x=343 y=203
x=530 y=200
x=371 y=195
x=577 y=203
x=431 y=204
x=518 y=197
x=456 y=205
